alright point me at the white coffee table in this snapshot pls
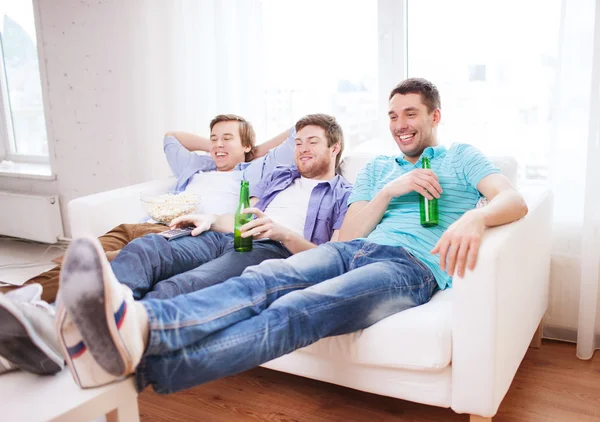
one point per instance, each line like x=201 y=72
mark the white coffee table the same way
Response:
x=30 y=398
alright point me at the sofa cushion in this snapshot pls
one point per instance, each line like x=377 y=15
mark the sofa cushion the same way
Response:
x=418 y=338
x=353 y=163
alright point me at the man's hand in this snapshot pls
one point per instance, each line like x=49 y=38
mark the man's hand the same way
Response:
x=263 y=227
x=423 y=181
x=459 y=245
x=202 y=222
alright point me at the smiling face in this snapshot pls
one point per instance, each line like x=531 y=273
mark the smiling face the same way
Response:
x=412 y=125
x=226 y=146
x=314 y=159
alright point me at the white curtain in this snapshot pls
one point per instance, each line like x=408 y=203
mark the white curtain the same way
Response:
x=588 y=335
x=573 y=312
x=192 y=60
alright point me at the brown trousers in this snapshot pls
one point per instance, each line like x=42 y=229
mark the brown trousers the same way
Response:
x=112 y=242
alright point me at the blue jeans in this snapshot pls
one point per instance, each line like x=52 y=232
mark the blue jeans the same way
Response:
x=156 y=268
x=275 y=308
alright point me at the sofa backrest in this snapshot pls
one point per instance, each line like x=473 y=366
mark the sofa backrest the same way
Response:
x=354 y=162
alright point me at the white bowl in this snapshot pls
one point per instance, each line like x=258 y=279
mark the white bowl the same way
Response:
x=166 y=207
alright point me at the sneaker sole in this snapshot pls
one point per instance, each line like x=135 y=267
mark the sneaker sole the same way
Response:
x=22 y=346
x=84 y=296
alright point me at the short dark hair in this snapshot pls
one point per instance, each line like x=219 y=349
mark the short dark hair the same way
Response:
x=247 y=135
x=429 y=92
x=333 y=130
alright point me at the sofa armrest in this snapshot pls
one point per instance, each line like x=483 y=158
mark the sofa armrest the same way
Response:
x=94 y=215
x=498 y=306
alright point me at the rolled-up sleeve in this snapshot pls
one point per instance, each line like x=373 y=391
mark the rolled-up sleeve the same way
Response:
x=282 y=155
x=476 y=165
x=341 y=209
x=179 y=158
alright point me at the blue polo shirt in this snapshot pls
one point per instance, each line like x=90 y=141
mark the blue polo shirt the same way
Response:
x=459 y=170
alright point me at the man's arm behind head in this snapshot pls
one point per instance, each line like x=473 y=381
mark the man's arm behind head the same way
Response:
x=262 y=149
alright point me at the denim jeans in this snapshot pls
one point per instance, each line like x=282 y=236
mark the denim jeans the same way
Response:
x=156 y=268
x=275 y=308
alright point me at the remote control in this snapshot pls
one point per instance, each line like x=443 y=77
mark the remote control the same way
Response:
x=176 y=233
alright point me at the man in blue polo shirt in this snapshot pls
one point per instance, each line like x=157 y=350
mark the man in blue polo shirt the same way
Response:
x=282 y=305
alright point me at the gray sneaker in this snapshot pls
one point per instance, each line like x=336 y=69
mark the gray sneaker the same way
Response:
x=29 y=293
x=27 y=334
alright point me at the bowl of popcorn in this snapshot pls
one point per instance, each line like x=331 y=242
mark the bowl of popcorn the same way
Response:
x=166 y=207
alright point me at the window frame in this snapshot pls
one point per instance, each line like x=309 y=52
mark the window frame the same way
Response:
x=393 y=54
x=8 y=143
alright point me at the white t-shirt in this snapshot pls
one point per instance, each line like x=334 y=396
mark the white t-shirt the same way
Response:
x=290 y=206
x=220 y=190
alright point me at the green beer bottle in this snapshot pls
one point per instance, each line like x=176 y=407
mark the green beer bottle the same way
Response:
x=428 y=207
x=242 y=244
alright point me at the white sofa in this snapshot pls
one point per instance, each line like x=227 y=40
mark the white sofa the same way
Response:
x=460 y=350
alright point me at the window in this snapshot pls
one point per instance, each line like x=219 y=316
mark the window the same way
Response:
x=23 y=133
x=496 y=72
x=321 y=56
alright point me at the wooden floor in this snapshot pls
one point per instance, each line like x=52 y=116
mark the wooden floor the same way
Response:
x=551 y=385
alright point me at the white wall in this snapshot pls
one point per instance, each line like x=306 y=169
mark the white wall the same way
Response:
x=97 y=118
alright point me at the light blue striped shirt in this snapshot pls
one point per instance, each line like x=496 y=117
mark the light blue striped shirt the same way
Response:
x=459 y=170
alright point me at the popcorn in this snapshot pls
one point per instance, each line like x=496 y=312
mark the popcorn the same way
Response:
x=165 y=208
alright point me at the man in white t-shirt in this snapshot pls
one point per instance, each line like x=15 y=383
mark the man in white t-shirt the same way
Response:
x=216 y=177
